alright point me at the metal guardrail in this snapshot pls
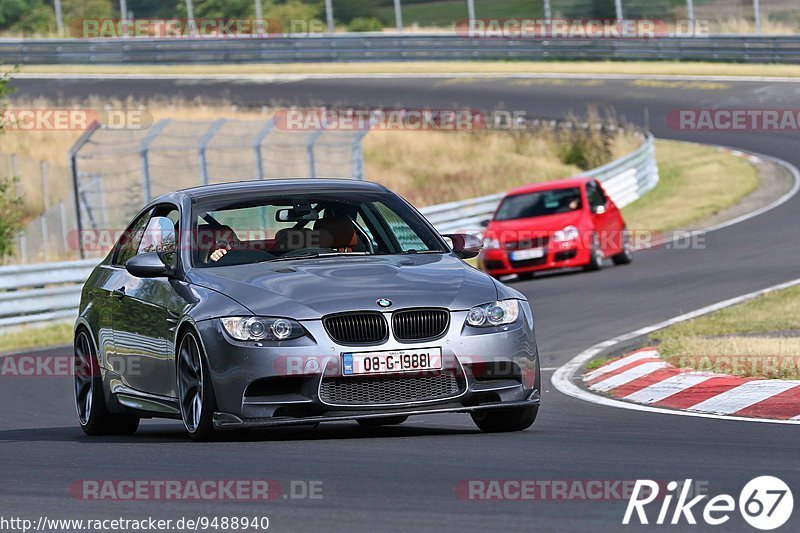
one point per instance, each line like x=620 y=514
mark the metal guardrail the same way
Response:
x=38 y=293
x=32 y=294
x=395 y=47
x=625 y=180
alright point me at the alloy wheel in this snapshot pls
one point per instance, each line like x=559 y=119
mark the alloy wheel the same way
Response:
x=190 y=383
x=83 y=371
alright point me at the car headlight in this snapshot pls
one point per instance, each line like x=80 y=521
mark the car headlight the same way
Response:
x=570 y=233
x=491 y=244
x=255 y=328
x=493 y=314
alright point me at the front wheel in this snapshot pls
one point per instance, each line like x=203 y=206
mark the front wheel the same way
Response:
x=505 y=420
x=625 y=257
x=595 y=256
x=90 y=401
x=195 y=392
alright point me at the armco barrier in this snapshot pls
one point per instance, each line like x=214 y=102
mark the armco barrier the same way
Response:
x=395 y=47
x=32 y=294
x=44 y=292
x=625 y=180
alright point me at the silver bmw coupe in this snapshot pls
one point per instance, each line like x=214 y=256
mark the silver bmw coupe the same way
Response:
x=292 y=302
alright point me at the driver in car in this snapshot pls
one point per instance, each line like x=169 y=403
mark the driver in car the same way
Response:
x=337 y=234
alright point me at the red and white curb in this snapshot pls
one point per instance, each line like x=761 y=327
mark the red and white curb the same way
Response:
x=643 y=377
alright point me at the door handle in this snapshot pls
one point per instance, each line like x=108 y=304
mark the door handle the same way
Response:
x=119 y=294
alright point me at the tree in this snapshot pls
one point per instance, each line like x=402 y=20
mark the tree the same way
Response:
x=10 y=205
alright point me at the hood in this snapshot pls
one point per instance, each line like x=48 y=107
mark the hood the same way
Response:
x=538 y=226
x=311 y=288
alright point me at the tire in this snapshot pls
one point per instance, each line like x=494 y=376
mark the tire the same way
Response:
x=505 y=420
x=195 y=392
x=625 y=257
x=385 y=421
x=90 y=399
x=595 y=256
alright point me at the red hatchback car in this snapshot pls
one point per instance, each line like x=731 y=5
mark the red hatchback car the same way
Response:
x=556 y=224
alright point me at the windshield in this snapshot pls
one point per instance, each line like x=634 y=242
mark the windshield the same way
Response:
x=286 y=227
x=538 y=204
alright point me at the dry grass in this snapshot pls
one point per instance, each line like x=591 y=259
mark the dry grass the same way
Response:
x=632 y=68
x=696 y=182
x=435 y=167
x=25 y=338
x=426 y=167
x=755 y=333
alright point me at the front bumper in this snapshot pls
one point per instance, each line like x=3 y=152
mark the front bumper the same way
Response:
x=497 y=262
x=263 y=386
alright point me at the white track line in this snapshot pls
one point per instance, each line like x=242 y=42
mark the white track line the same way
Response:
x=744 y=395
x=563 y=378
x=619 y=363
x=668 y=387
x=268 y=78
x=629 y=375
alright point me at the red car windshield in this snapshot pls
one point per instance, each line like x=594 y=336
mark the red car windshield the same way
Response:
x=540 y=203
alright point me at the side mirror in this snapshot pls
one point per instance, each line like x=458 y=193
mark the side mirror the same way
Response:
x=599 y=209
x=465 y=246
x=484 y=223
x=148 y=265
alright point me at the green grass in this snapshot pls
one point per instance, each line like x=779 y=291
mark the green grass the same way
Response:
x=745 y=334
x=696 y=182
x=36 y=337
x=598 y=362
x=447 y=12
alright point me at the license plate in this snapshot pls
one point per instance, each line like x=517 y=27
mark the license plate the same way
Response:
x=533 y=253
x=391 y=361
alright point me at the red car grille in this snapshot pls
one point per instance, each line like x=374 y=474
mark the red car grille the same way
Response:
x=525 y=244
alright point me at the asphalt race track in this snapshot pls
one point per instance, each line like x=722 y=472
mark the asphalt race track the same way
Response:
x=404 y=478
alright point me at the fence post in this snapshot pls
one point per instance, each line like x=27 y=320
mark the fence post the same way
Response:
x=43 y=218
x=62 y=216
x=144 y=155
x=203 y=144
x=257 y=140
x=59 y=18
x=618 y=6
x=398 y=15
x=358 y=155
x=329 y=15
x=312 y=164
x=23 y=247
x=73 y=157
x=548 y=12
x=757 y=15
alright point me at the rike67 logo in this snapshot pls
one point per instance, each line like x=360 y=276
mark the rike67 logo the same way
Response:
x=765 y=503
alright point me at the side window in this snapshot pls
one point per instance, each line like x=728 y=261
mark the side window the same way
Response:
x=128 y=244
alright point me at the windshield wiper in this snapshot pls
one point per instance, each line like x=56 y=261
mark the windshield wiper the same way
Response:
x=313 y=256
